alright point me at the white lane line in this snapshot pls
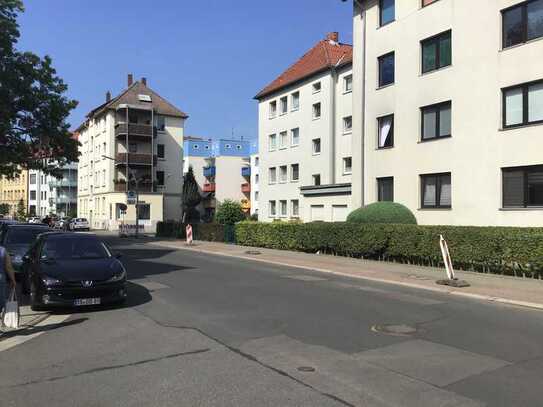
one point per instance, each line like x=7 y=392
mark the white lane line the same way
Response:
x=20 y=339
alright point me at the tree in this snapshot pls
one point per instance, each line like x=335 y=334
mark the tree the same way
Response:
x=4 y=209
x=229 y=212
x=33 y=108
x=191 y=197
x=21 y=210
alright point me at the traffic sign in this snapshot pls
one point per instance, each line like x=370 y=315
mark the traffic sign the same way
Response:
x=131 y=198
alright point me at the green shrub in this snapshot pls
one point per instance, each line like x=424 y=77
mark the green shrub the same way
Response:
x=229 y=212
x=212 y=232
x=383 y=212
x=500 y=250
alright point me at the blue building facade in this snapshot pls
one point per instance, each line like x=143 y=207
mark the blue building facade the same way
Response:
x=217 y=148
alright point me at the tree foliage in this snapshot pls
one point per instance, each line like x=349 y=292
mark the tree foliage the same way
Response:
x=21 y=210
x=229 y=212
x=4 y=209
x=191 y=195
x=33 y=107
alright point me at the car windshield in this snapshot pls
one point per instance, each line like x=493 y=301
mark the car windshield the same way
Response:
x=23 y=235
x=74 y=248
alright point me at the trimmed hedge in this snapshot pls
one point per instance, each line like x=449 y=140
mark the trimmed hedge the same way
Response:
x=383 y=212
x=499 y=250
x=211 y=232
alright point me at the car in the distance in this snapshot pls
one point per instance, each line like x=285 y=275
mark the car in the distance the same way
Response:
x=73 y=270
x=79 y=224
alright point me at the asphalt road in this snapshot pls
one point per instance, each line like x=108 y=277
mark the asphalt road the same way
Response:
x=205 y=330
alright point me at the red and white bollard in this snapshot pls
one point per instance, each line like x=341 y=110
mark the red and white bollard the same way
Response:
x=188 y=232
x=451 y=278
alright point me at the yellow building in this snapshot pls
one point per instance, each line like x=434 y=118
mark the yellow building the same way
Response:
x=13 y=190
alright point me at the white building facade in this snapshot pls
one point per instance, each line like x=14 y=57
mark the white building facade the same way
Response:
x=305 y=137
x=133 y=142
x=448 y=109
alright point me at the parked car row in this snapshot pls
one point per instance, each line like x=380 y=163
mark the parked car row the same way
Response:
x=63 y=223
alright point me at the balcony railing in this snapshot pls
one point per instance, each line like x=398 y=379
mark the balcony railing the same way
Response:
x=63 y=183
x=120 y=186
x=210 y=171
x=135 y=159
x=246 y=172
x=210 y=187
x=246 y=187
x=140 y=130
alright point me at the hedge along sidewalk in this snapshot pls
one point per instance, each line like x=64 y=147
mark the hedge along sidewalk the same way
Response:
x=489 y=287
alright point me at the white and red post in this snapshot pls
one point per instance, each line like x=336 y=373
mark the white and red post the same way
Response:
x=188 y=232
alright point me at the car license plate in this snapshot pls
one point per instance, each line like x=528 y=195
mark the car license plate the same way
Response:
x=87 y=301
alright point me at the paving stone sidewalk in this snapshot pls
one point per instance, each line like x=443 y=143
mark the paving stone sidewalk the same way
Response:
x=503 y=289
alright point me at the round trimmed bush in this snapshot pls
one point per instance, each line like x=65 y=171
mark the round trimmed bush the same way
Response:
x=383 y=212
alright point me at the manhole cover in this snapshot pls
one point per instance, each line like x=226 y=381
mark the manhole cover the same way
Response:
x=306 y=369
x=252 y=252
x=396 y=330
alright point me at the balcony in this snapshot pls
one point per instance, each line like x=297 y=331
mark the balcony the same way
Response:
x=135 y=159
x=246 y=172
x=246 y=187
x=140 y=131
x=144 y=186
x=210 y=171
x=63 y=183
x=209 y=187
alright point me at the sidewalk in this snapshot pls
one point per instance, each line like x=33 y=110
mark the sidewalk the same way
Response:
x=27 y=319
x=502 y=289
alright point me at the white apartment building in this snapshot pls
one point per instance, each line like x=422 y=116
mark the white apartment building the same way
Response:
x=52 y=195
x=448 y=109
x=255 y=182
x=133 y=142
x=305 y=126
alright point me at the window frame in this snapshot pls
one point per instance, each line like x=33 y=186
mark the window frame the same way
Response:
x=524 y=12
x=283 y=102
x=422 y=5
x=274 y=206
x=270 y=170
x=281 y=213
x=163 y=155
x=345 y=171
x=380 y=83
x=379 y=131
x=438 y=107
x=384 y=179
x=270 y=137
x=292 y=144
x=272 y=113
x=438 y=176
x=285 y=138
x=381 y=24
x=294 y=107
x=313 y=152
x=345 y=129
x=346 y=80
x=314 y=177
x=525 y=105
x=292 y=212
x=281 y=180
x=525 y=169
x=435 y=38
x=314 y=108
x=292 y=179
x=316 y=87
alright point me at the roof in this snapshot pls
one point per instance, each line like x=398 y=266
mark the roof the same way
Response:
x=130 y=96
x=326 y=54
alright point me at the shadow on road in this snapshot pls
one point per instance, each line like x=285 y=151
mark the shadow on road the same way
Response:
x=31 y=330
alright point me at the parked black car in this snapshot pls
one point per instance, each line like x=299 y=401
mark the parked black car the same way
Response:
x=68 y=269
x=17 y=239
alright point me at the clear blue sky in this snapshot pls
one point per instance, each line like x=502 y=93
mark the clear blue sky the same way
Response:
x=209 y=58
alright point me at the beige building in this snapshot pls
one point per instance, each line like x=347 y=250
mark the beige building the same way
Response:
x=448 y=109
x=305 y=126
x=13 y=190
x=133 y=142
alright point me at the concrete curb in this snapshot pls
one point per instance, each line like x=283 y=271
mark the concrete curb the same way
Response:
x=489 y=298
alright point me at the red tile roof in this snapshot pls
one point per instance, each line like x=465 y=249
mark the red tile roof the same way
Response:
x=324 y=55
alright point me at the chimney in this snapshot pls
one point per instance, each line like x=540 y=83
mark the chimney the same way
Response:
x=144 y=81
x=108 y=96
x=130 y=79
x=333 y=36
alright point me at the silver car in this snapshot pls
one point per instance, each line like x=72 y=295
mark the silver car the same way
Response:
x=79 y=224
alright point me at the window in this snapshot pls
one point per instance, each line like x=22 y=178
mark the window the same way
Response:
x=32 y=195
x=522 y=23
x=283 y=103
x=427 y=2
x=294 y=172
x=386 y=12
x=348 y=84
x=195 y=147
x=436 y=52
x=160 y=150
x=316 y=110
x=257 y=161
x=385 y=137
x=160 y=177
x=347 y=165
x=436 y=121
x=160 y=123
x=347 y=124
x=238 y=146
x=316 y=146
x=386 y=69
x=132 y=147
x=283 y=208
x=295 y=101
x=523 y=104
x=256 y=195
x=316 y=179
x=273 y=109
x=316 y=87
x=273 y=208
x=436 y=190
x=295 y=208
x=273 y=175
x=272 y=142
x=522 y=187
x=283 y=139
x=257 y=179
x=294 y=137
x=228 y=146
x=385 y=189
x=144 y=211
x=283 y=173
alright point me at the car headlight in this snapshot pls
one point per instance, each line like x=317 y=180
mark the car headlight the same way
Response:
x=50 y=281
x=118 y=277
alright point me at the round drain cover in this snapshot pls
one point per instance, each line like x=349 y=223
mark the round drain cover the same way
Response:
x=398 y=330
x=306 y=369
